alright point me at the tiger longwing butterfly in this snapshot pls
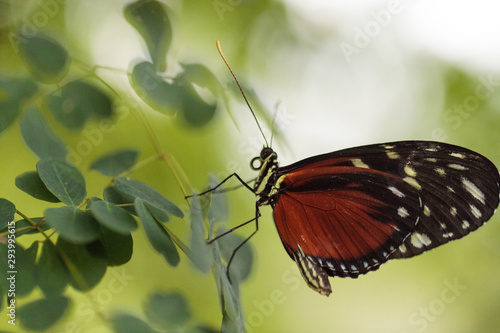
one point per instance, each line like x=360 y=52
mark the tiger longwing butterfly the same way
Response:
x=347 y=212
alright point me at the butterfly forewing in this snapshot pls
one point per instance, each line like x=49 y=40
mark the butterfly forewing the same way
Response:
x=353 y=209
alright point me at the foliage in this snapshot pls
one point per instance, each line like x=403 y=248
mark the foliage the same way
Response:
x=80 y=236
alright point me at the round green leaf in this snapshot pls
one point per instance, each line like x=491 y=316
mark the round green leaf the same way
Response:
x=154 y=90
x=115 y=163
x=151 y=20
x=39 y=137
x=73 y=224
x=113 y=217
x=112 y=195
x=90 y=269
x=7 y=211
x=43 y=313
x=147 y=194
x=13 y=93
x=63 y=179
x=167 y=309
x=23 y=263
x=30 y=182
x=218 y=206
x=242 y=263
x=157 y=235
x=125 y=323
x=201 y=76
x=195 y=110
x=76 y=101
x=113 y=247
x=45 y=58
x=52 y=274
x=202 y=258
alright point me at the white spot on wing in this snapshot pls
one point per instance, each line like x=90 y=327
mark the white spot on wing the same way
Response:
x=412 y=182
x=402 y=248
x=358 y=163
x=440 y=171
x=474 y=190
x=431 y=159
x=392 y=155
x=410 y=171
x=475 y=211
x=403 y=212
x=465 y=224
x=459 y=155
x=453 y=211
x=419 y=240
x=427 y=211
x=396 y=192
x=457 y=166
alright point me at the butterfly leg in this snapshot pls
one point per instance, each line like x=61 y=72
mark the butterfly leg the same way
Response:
x=256 y=219
x=222 y=182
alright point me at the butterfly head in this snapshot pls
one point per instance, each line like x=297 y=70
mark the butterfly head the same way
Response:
x=267 y=156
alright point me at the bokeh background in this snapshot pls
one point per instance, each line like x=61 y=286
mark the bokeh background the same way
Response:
x=335 y=74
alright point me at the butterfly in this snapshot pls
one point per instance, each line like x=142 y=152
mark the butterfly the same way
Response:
x=345 y=213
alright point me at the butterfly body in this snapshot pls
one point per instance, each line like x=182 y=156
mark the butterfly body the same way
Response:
x=345 y=213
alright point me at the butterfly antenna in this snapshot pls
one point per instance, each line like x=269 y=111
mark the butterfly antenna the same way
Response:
x=273 y=123
x=241 y=90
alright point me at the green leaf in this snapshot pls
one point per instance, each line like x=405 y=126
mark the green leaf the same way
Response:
x=113 y=217
x=52 y=274
x=195 y=110
x=115 y=163
x=25 y=266
x=73 y=224
x=232 y=320
x=113 y=247
x=201 y=258
x=63 y=179
x=45 y=58
x=160 y=95
x=30 y=182
x=167 y=309
x=43 y=313
x=151 y=20
x=22 y=261
x=147 y=194
x=201 y=76
x=242 y=263
x=157 y=235
x=125 y=323
x=112 y=195
x=39 y=137
x=13 y=94
x=7 y=211
x=219 y=206
x=77 y=101
x=91 y=269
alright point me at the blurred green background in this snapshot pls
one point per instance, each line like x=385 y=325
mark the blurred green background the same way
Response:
x=335 y=76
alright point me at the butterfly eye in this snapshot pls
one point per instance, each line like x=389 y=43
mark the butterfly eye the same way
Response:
x=265 y=152
x=256 y=163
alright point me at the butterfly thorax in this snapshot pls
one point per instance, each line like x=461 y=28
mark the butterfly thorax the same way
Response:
x=266 y=185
